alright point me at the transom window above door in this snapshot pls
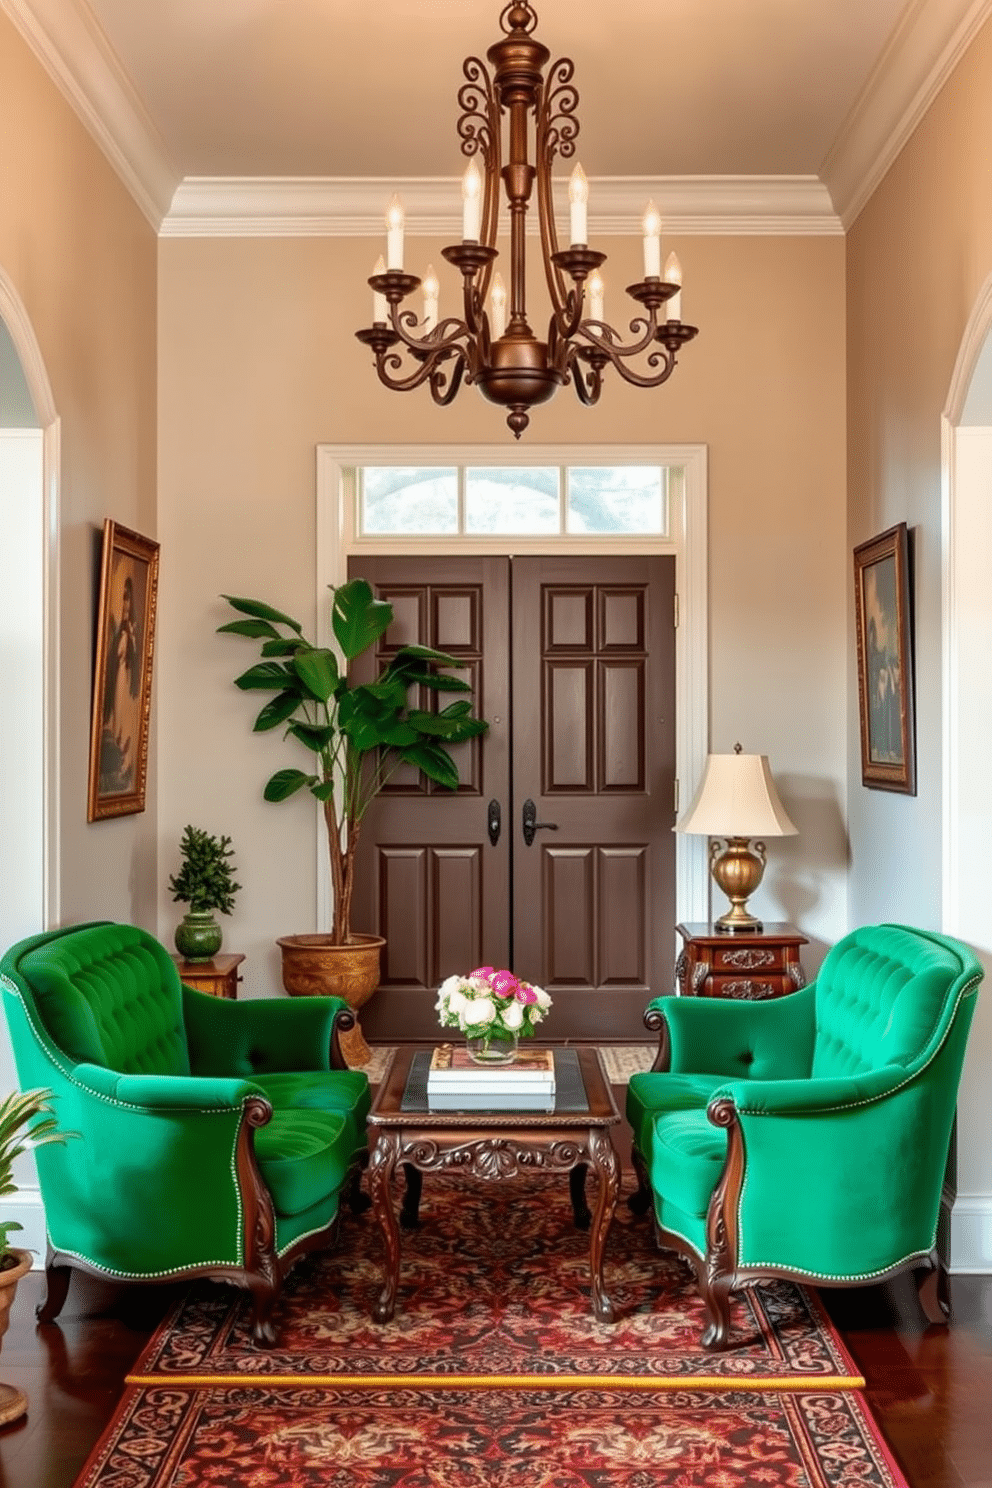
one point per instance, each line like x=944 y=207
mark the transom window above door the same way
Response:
x=478 y=501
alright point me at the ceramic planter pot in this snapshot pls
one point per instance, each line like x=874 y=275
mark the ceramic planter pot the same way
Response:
x=198 y=936
x=313 y=967
x=13 y=1402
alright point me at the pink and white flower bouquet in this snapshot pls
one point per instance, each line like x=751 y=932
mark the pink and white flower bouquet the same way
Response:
x=491 y=1004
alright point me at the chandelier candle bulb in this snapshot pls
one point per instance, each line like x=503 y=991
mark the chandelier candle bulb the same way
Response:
x=673 y=275
x=380 y=310
x=597 y=294
x=432 y=291
x=498 y=301
x=652 y=242
x=395 y=220
x=471 y=203
x=578 y=197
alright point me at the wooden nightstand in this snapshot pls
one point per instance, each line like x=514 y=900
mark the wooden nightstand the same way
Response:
x=752 y=966
x=218 y=976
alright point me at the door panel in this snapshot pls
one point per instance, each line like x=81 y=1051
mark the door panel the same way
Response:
x=428 y=878
x=594 y=749
x=588 y=736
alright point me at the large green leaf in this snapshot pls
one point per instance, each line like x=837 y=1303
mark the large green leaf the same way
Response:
x=358 y=618
x=265 y=676
x=444 y=726
x=251 y=628
x=441 y=682
x=315 y=736
x=276 y=711
x=435 y=763
x=424 y=653
x=318 y=671
x=365 y=733
x=283 y=646
x=286 y=783
x=262 y=612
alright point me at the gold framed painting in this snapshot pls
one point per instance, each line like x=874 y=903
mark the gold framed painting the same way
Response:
x=885 y=662
x=122 y=675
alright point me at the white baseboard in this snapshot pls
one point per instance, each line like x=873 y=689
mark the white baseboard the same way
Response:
x=971 y=1234
x=26 y=1207
x=971 y=1230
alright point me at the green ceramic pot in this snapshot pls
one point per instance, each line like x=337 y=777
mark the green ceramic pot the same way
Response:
x=198 y=935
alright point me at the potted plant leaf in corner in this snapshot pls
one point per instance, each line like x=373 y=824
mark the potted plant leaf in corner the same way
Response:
x=205 y=882
x=16 y=1110
x=357 y=735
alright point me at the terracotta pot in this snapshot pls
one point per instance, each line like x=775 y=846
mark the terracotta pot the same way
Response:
x=313 y=967
x=13 y=1402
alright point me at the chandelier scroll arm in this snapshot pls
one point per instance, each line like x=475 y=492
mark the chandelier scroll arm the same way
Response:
x=444 y=387
x=386 y=364
x=479 y=131
x=556 y=130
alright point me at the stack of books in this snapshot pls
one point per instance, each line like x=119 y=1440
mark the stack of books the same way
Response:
x=456 y=1083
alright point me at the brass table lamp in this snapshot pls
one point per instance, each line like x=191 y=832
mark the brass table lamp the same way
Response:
x=737 y=801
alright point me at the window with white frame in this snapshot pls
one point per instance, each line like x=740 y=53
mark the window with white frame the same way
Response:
x=492 y=500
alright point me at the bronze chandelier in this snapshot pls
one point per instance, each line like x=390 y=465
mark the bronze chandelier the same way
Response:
x=504 y=359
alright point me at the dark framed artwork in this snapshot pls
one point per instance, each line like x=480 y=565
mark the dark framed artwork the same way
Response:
x=885 y=662
x=122 y=675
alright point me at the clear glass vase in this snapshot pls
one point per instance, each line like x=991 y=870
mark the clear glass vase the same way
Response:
x=492 y=1048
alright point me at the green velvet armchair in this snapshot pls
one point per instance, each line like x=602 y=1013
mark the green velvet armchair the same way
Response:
x=215 y=1138
x=807 y=1136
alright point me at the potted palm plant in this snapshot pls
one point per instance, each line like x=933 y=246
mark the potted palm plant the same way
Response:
x=16 y=1110
x=357 y=735
x=205 y=882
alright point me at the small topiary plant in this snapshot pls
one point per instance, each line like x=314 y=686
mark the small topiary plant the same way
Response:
x=206 y=879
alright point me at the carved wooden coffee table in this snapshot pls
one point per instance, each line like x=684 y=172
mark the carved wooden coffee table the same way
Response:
x=494 y=1146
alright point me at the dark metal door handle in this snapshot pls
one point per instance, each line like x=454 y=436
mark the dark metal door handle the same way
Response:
x=494 y=822
x=532 y=825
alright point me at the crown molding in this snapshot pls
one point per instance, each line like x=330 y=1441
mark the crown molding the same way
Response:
x=923 y=50
x=218 y=207
x=920 y=56
x=69 y=43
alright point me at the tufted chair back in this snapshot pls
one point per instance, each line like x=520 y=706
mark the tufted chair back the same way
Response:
x=110 y=995
x=881 y=996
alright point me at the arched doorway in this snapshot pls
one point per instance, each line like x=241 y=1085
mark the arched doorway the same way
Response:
x=29 y=427
x=967 y=548
x=29 y=713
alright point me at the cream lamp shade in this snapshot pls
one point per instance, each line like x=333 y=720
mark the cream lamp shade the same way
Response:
x=737 y=800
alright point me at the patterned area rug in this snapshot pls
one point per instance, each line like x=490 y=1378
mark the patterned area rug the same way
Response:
x=257 y=1436
x=494 y=1289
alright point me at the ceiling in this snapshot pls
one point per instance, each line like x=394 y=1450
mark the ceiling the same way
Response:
x=367 y=89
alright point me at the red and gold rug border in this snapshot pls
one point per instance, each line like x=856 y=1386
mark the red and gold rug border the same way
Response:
x=778 y=1384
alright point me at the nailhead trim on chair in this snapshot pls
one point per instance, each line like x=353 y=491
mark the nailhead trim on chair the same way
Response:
x=127 y=1106
x=966 y=991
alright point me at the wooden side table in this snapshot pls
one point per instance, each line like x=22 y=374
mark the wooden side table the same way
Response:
x=219 y=976
x=752 y=966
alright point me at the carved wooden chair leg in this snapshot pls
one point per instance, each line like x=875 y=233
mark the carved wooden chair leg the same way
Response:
x=263 y=1330
x=57 y=1278
x=640 y=1200
x=716 y=1295
x=357 y=1200
x=935 y=1291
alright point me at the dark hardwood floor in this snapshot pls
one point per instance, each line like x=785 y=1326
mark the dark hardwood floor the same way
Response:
x=930 y=1388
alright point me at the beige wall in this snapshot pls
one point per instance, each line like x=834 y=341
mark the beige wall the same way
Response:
x=258 y=364
x=81 y=257
x=917 y=259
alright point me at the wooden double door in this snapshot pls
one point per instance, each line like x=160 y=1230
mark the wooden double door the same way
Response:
x=556 y=856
